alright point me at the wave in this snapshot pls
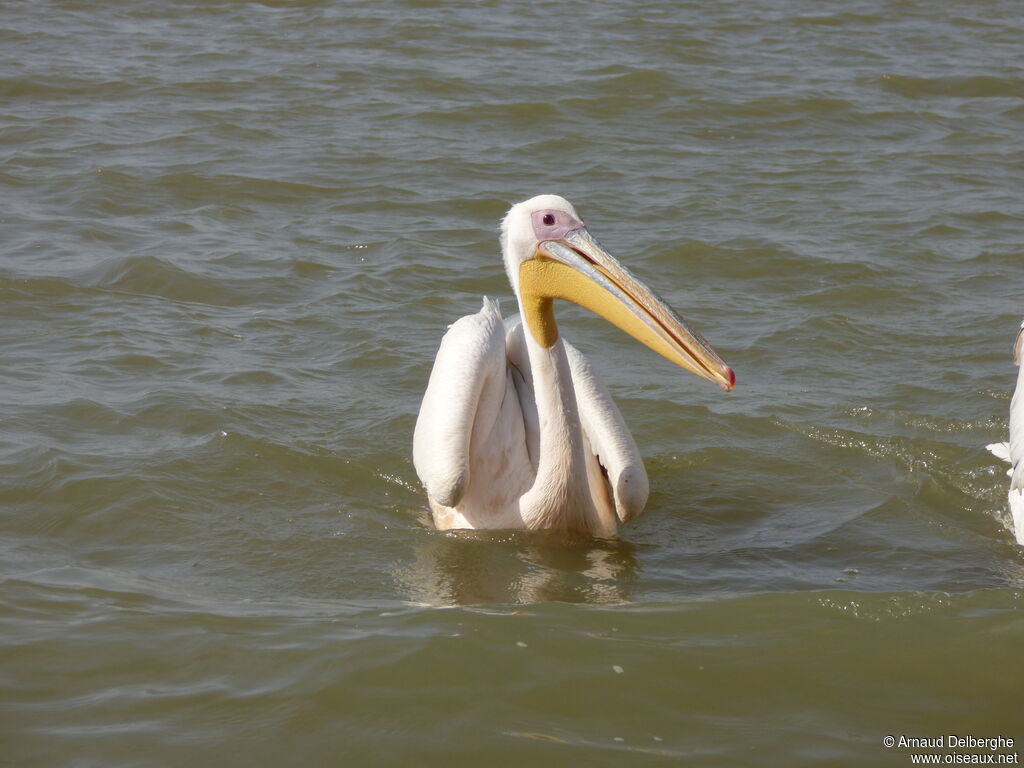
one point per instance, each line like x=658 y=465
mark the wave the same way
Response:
x=962 y=87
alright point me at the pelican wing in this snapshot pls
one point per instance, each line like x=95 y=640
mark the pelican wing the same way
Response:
x=1015 y=445
x=1012 y=451
x=1016 y=501
x=471 y=357
x=609 y=438
x=1016 y=448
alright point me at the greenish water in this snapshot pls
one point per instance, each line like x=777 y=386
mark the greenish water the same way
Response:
x=232 y=235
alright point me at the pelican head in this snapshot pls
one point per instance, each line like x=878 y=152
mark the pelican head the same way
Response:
x=549 y=254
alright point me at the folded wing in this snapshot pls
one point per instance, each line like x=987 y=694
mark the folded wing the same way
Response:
x=609 y=438
x=470 y=360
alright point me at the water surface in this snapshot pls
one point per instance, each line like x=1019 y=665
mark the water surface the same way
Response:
x=232 y=236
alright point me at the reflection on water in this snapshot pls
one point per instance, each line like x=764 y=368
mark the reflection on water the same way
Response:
x=471 y=567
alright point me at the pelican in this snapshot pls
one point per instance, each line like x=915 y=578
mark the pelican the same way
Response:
x=1013 y=451
x=515 y=430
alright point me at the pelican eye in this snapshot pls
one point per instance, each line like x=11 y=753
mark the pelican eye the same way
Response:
x=549 y=219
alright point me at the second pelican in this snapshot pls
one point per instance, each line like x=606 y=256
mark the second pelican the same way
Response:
x=1012 y=451
x=515 y=430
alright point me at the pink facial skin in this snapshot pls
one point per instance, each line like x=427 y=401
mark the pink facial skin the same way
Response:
x=553 y=225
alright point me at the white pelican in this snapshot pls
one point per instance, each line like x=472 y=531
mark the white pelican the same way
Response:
x=1013 y=451
x=515 y=430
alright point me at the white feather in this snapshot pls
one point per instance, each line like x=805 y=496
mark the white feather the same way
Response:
x=1000 y=451
x=470 y=364
x=1016 y=501
x=1013 y=450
